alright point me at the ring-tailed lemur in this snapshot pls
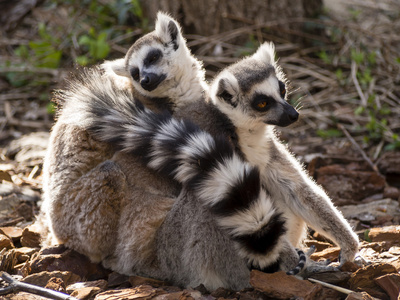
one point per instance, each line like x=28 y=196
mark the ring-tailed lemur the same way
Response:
x=85 y=181
x=92 y=193
x=252 y=96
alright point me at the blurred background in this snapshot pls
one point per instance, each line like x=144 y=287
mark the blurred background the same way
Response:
x=342 y=59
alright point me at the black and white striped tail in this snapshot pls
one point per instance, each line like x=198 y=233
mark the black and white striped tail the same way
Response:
x=300 y=266
x=207 y=165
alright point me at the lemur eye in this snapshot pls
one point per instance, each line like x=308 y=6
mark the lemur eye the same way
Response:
x=262 y=104
x=154 y=58
x=135 y=74
x=282 y=89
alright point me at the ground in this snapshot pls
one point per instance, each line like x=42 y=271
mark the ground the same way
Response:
x=345 y=79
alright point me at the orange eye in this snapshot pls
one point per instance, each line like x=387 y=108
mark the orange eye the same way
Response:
x=283 y=92
x=262 y=104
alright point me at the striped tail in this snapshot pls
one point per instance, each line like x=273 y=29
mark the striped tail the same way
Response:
x=206 y=165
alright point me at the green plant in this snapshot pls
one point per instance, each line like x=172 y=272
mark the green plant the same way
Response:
x=329 y=133
x=97 y=47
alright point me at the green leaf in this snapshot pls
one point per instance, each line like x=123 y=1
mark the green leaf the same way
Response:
x=51 y=60
x=329 y=133
x=357 y=56
x=82 y=60
x=359 y=110
x=22 y=51
x=84 y=40
x=51 y=108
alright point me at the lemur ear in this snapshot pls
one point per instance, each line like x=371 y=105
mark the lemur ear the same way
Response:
x=266 y=53
x=226 y=92
x=115 y=67
x=168 y=30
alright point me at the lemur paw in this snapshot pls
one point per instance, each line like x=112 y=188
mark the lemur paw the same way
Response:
x=347 y=255
x=300 y=265
x=311 y=267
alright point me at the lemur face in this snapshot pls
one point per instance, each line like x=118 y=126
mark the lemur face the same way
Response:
x=152 y=62
x=251 y=89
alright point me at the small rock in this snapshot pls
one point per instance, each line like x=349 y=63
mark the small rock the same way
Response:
x=42 y=278
x=390 y=284
x=56 y=284
x=24 y=253
x=362 y=279
x=68 y=260
x=329 y=253
x=222 y=293
x=23 y=296
x=355 y=185
x=138 y=280
x=390 y=163
x=349 y=266
x=14 y=233
x=319 y=246
x=181 y=295
x=4 y=175
x=116 y=279
x=281 y=286
x=5 y=242
x=7 y=203
x=137 y=293
x=86 y=293
x=332 y=277
x=31 y=237
x=391 y=192
x=388 y=233
x=29 y=147
x=370 y=211
x=25 y=211
x=8 y=260
x=101 y=284
x=360 y=296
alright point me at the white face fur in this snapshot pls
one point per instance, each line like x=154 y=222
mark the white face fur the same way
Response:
x=253 y=91
x=157 y=61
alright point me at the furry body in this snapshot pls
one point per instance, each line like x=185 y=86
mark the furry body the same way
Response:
x=252 y=96
x=109 y=207
x=90 y=199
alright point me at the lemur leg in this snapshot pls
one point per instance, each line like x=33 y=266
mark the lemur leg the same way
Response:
x=308 y=200
x=192 y=249
x=149 y=198
x=87 y=217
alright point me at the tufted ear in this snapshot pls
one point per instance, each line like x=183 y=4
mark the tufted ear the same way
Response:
x=115 y=67
x=266 y=53
x=226 y=91
x=168 y=30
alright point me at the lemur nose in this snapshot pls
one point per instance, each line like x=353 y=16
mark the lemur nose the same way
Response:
x=145 y=80
x=294 y=115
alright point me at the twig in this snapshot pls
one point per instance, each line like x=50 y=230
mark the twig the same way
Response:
x=334 y=287
x=363 y=154
x=15 y=286
x=54 y=72
x=357 y=85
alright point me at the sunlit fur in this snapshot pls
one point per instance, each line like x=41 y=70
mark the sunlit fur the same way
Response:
x=106 y=205
x=294 y=193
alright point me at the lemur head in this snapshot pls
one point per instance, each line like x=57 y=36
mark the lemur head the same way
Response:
x=159 y=62
x=253 y=91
